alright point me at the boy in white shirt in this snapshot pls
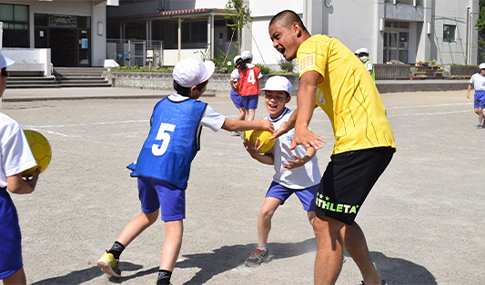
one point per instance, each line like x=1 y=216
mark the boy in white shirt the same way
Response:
x=15 y=157
x=296 y=171
x=478 y=82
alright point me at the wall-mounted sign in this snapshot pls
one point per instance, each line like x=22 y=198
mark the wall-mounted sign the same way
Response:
x=62 y=21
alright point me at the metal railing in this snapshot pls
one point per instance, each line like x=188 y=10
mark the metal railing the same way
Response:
x=135 y=52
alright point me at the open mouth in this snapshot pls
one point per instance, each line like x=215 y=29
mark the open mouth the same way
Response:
x=272 y=107
x=281 y=50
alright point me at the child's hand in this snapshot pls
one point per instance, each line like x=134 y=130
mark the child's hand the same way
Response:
x=253 y=149
x=297 y=162
x=31 y=180
x=266 y=125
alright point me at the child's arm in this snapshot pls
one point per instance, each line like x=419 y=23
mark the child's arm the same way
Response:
x=234 y=84
x=469 y=88
x=253 y=150
x=237 y=125
x=300 y=161
x=20 y=185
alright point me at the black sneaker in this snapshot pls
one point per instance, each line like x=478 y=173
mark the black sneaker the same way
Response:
x=257 y=257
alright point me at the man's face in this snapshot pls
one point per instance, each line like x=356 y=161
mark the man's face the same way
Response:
x=482 y=71
x=284 y=39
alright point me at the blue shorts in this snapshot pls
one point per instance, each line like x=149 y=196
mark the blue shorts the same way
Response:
x=10 y=237
x=156 y=193
x=250 y=101
x=306 y=196
x=479 y=99
x=236 y=99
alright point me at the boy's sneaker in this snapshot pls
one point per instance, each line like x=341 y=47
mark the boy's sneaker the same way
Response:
x=109 y=264
x=257 y=257
x=479 y=127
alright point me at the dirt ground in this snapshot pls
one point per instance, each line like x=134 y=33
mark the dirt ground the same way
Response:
x=421 y=220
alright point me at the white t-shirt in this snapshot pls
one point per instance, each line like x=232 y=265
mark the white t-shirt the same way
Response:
x=478 y=81
x=210 y=118
x=298 y=178
x=235 y=74
x=15 y=153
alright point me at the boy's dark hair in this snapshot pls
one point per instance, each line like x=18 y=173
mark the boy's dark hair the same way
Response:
x=4 y=72
x=185 y=91
x=239 y=63
x=288 y=17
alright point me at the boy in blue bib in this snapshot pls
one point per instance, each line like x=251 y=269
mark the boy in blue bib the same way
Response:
x=163 y=165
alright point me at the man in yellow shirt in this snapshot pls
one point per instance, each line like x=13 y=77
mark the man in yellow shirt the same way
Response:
x=332 y=78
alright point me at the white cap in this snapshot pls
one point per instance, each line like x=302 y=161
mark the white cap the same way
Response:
x=236 y=58
x=357 y=51
x=482 y=66
x=5 y=61
x=363 y=50
x=246 y=54
x=278 y=83
x=190 y=72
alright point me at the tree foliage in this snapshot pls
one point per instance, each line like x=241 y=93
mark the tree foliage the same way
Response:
x=240 y=15
x=481 y=29
x=481 y=18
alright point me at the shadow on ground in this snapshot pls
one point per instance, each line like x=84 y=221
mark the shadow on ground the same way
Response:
x=393 y=270
x=229 y=257
x=212 y=263
x=400 y=271
x=84 y=275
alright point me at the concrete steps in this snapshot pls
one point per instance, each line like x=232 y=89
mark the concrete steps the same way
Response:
x=63 y=77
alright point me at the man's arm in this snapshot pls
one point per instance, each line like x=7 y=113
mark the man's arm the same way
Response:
x=306 y=104
x=469 y=88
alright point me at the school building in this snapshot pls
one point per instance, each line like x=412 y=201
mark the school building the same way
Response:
x=71 y=33
x=160 y=32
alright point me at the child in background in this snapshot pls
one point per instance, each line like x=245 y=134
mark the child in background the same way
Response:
x=236 y=99
x=296 y=171
x=248 y=84
x=163 y=165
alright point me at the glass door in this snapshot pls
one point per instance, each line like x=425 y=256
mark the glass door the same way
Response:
x=396 y=41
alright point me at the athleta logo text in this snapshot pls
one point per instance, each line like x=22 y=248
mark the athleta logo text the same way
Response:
x=324 y=203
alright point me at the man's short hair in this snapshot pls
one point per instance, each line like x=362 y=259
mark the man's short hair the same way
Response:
x=288 y=17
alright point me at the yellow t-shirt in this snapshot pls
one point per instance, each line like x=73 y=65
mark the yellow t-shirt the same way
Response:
x=347 y=95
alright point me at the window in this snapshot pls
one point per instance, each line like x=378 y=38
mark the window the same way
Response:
x=15 y=20
x=449 y=33
x=194 y=32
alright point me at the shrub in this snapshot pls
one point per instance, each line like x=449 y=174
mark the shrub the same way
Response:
x=264 y=69
x=287 y=66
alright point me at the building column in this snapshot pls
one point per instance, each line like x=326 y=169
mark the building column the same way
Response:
x=179 y=38
x=210 y=34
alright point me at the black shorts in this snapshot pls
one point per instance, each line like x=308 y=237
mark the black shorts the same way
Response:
x=347 y=181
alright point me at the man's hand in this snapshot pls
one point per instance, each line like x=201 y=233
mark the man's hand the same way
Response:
x=307 y=138
x=284 y=128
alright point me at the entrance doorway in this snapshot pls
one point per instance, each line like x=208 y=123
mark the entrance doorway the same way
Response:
x=396 y=42
x=68 y=37
x=63 y=46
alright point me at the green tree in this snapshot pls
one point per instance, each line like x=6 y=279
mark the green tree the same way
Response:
x=240 y=15
x=481 y=29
